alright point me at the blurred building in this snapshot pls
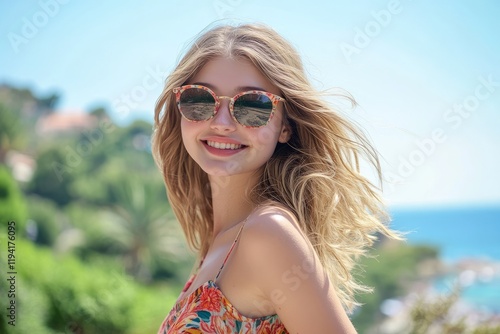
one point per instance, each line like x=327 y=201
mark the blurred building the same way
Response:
x=22 y=165
x=65 y=122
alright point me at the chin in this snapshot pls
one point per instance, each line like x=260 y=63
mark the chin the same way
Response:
x=218 y=172
x=228 y=169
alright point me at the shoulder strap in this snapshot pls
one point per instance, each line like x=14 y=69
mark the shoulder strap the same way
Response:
x=230 y=250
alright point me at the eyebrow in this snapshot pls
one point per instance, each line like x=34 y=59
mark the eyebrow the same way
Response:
x=237 y=89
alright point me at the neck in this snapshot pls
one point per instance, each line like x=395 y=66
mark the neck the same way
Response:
x=231 y=200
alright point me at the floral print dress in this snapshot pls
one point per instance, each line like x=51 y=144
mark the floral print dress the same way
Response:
x=207 y=310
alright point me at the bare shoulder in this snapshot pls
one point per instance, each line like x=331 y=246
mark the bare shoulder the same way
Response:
x=274 y=243
x=273 y=222
x=286 y=270
x=274 y=229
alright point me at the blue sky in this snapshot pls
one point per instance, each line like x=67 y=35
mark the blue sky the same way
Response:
x=426 y=74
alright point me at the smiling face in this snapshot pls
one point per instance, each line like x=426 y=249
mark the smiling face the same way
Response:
x=220 y=145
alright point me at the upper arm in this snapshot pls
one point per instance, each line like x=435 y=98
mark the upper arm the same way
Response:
x=290 y=275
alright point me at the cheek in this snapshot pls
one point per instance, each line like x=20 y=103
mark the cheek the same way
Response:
x=184 y=132
x=190 y=128
x=184 y=127
x=269 y=134
x=189 y=131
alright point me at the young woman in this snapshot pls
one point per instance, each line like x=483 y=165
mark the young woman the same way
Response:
x=263 y=177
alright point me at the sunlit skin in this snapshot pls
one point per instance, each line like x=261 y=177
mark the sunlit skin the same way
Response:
x=273 y=269
x=228 y=77
x=232 y=173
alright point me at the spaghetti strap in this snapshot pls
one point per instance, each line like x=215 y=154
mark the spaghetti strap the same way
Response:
x=231 y=249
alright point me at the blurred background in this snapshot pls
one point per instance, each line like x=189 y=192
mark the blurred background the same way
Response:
x=97 y=248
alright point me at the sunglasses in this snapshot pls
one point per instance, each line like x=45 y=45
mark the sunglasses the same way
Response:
x=251 y=109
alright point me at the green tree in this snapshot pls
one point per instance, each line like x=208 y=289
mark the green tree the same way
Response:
x=142 y=228
x=389 y=269
x=12 y=202
x=48 y=103
x=20 y=109
x=60 y=294
x=436 y=316
x=12 y=131
x=57 y=168
x=100 y=113
x=45 y=217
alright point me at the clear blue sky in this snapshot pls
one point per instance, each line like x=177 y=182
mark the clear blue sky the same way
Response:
x=407 y=70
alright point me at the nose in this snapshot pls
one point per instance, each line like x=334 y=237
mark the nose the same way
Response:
x=222 y=120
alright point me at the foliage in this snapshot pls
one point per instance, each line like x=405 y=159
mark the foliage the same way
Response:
x=55 y=172
x=11 y=131
x=61 y=294
x=139 y=226
x=150 y=308
x=98 y=202
x=84 y=223
x=19 y=112
x=12 y=203
x=388 y=270
x=43 y=215
x=23 y=100
x=32 y=307
x=437 y=316
x=89 y=298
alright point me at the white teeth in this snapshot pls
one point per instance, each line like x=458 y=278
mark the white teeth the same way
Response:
x=223 y=146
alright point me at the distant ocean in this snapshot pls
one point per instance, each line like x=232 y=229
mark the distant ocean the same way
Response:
x=459 y=234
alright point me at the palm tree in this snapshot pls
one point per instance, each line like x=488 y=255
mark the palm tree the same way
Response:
x=143 y=227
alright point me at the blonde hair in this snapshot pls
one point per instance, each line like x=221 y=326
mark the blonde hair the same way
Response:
x=315 y=175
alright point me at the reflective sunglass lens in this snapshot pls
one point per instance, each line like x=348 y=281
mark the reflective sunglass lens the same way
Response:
x=197 y=104
x=253 y=109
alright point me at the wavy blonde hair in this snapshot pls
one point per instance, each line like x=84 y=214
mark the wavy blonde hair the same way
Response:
x=315 y=175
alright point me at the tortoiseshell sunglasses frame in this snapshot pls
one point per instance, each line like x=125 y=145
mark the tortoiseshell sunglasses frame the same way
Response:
x=275 y=99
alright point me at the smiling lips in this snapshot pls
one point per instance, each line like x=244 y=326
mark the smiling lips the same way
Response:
x=224 y=146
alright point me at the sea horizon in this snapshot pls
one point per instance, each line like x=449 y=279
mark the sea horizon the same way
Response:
x=458 y=232
x=468 y=241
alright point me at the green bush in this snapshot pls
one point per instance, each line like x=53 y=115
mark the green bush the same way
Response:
x=76 y=297
x=436 y=316
x=31 y=308
x=55 y=173
x=12 y=203
x=150 y=308
x=388 y=271
x=59 y=294
x=45 y=215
